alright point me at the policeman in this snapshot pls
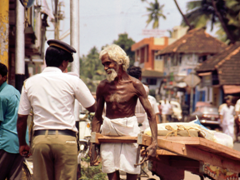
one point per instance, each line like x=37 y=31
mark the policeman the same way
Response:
x=51 y=95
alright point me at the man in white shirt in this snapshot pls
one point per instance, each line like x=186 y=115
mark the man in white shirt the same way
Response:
x=166 y=111
x=51 y=95
x=227 y=118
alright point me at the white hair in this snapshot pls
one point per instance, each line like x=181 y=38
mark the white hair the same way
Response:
x=117 y=54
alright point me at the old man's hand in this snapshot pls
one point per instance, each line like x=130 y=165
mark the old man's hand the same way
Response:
x=151 y=150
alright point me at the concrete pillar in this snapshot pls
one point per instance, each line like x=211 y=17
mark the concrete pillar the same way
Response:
x=19 y=47
x=74 y=41
x=4 y=31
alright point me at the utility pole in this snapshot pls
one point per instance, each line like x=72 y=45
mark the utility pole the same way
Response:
x=20 y=47
x=74 y=35
x=59 y=15
x=56 y=21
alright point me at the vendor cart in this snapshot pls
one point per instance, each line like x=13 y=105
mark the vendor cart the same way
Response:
x=177 y=154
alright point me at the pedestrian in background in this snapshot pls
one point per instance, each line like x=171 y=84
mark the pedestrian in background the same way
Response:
x=10 y=159
x=51 y=94
x=160 y=112
x=185 y=111
x=166 y=111
x=227 y=117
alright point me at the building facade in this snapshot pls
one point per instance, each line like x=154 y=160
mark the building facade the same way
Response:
x=220 y=75
x=181 y=58
x=145 y=56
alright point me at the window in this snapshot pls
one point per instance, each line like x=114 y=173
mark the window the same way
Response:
x=152 y=81
x=180 y=58
x=202 y=59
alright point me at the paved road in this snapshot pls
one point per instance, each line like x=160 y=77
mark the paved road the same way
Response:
x=190 y=176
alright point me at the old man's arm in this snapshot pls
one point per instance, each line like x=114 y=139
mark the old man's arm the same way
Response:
x=97 y=120
x=151 y=117
x=96 y=124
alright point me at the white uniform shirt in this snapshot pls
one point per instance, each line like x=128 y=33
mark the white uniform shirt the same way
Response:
x=51 y=94
x=166 y=108
x=228 y=115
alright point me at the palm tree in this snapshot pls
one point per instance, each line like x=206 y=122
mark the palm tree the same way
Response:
x=202 y=12
x=223 y=22
x=184 y=17
x=155 y=13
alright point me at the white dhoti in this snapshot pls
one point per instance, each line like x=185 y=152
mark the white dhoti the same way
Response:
x=120 y=156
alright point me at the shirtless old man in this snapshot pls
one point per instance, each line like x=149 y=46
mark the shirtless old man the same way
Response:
x=120 y=93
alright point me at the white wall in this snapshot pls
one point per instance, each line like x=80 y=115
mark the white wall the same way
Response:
x=188 y=61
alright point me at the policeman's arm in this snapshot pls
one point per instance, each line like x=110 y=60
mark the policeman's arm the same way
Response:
x=21 y=129
x=97 y=120
x=92 y=108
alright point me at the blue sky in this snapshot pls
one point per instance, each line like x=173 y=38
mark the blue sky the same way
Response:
x=101 y=21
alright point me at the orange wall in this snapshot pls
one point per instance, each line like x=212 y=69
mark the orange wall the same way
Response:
x=151 y=48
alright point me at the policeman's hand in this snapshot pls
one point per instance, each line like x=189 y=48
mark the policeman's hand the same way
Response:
x=24 y=150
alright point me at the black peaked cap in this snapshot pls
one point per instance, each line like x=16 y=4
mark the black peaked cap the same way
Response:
x=62 y=45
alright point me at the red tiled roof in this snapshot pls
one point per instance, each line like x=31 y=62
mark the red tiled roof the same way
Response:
x=227 y=63
x=195 y=41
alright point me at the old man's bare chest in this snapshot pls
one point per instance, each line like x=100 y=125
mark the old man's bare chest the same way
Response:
x=119 y=93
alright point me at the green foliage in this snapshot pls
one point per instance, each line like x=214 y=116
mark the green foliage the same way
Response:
x=92 y=172
x=91 y=69
x=155 y=12
x=234 y=12
x=200 y=13
x=126 y=43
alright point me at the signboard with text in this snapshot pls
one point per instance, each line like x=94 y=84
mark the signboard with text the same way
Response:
x=153 y=32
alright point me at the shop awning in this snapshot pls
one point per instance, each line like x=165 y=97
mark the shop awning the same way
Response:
x=205 y=74
x=231 y=89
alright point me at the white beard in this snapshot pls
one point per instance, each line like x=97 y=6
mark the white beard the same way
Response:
x=112 y=75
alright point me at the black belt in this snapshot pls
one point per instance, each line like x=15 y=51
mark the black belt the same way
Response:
x=53 y=132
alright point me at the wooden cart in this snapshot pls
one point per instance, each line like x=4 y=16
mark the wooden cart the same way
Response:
x=177 y=154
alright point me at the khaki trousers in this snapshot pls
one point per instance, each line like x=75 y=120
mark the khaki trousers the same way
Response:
x=54 y=157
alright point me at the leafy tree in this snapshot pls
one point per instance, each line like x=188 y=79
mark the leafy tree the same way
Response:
x=155 y=12
x=219 y=13
x=200 y=13
x=91 y=69
x=126 y=43
x=184 y=17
